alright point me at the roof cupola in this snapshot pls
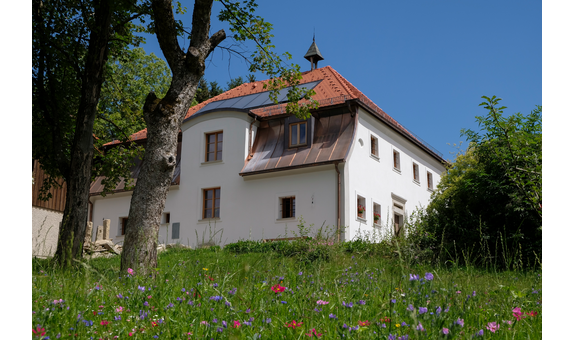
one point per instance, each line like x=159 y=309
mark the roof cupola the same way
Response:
x=313 y=54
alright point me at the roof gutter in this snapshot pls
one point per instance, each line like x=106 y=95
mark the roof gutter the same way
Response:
x=301 y=166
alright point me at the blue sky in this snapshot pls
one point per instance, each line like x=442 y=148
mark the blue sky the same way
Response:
x=425 y=63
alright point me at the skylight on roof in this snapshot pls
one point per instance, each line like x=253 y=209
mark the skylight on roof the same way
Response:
x=252 y=101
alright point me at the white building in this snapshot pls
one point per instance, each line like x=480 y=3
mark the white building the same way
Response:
x=248 y=170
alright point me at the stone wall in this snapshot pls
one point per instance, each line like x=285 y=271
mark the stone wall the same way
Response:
x=45 y=226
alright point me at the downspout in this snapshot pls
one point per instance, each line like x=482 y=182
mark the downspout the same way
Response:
x=91 y=210
x=338 y=201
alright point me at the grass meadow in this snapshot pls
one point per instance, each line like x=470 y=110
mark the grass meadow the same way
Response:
x=221 y=294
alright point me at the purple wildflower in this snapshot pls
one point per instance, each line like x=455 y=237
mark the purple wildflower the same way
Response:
x=445 y=331
x=428 y=276
x=410 y=307
x=422 y=310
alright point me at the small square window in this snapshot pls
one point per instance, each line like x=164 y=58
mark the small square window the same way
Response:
x=396 y=164
x=374 y=149
x=214 y=146
x=429 y=181
x=416 y=172
x=166 y=218
x=211 y=207
x=298 y=134
x=287 y=207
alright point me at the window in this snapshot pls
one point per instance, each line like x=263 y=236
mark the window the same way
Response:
x=361 y=213
x=416 y=172
x=214 y=144
x=166 y=218
x=287 y=207
x=374 y=150
x=376 y=214
x=398 y=214
x=123 y=224
x=429 y=181
x=396 y=164
x=211 y=203
x=297 y=134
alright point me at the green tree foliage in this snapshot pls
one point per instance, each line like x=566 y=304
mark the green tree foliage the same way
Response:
x=487 y=206
x=128 y=79
x=206 y=91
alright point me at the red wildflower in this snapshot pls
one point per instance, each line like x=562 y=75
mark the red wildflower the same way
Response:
x=104 y=323
x=532 y=313
x=385 y=319
x=39 y=331
x=293 y=324
x=154 y=323
x=312 y=333
x=364 y=323
x=278 y=289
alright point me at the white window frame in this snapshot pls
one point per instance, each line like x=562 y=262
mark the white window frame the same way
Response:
x=372 y=138
x=430 y=185
x=398 y=168
x=376 y=207
x=360 y=199
x=415 y=173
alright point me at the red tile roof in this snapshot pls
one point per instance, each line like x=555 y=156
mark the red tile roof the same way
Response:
x=334 y=89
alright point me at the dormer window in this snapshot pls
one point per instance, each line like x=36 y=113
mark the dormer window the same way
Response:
x=297 y=134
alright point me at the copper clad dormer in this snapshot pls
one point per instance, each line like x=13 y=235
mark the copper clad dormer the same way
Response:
x=313 y=55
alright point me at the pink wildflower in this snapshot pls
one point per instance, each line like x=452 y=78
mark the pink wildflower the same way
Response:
x=321 y=302
x=131 y=272
x=278 y=289
x=237 y=324
x=492 y=326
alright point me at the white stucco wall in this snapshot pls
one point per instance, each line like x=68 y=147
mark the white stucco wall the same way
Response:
x=249 y=206
x=375 y=178
x=45 y=226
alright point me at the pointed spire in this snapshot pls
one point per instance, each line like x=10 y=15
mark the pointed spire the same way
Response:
x=313 y=54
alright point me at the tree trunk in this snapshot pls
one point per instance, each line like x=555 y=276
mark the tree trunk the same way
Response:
x=71 y=234
x=164 y=119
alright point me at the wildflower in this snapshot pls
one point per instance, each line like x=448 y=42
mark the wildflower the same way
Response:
x=205 y=323
x=349 y=305
x=219 y=330
x=438 y=310
x=362 y=302
x=131 y=271
x=215 y=285
x=215 y=298
x=154 y=323
x=119 y=309
x=385 y=319
x=422 y=310
x=473 y=293
x=460 y=322
x=458 y=292
x=532 y=313
x=170 y=305
x=140 y=288
x=413 y=277
x=364 y=323
x=404 y=324
x=446 y=309
x=492 y=326
x=300 y=273
x=445 y=331
x=224 y=323
x=268 y=320
x=233 y=291
x=247 y=323
x=206 y=269
x=313 y=332
x=39 y=331
x=321 y=302
x=117 y=318
x=104 y=323
x=278 y=289
x=420 y=327
x=392 y=300
x=237 y=324
x=284 y=302
x=410 y=307
x=428 y=276
x=293 y=324
x=391 y=337
x=332 y=316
